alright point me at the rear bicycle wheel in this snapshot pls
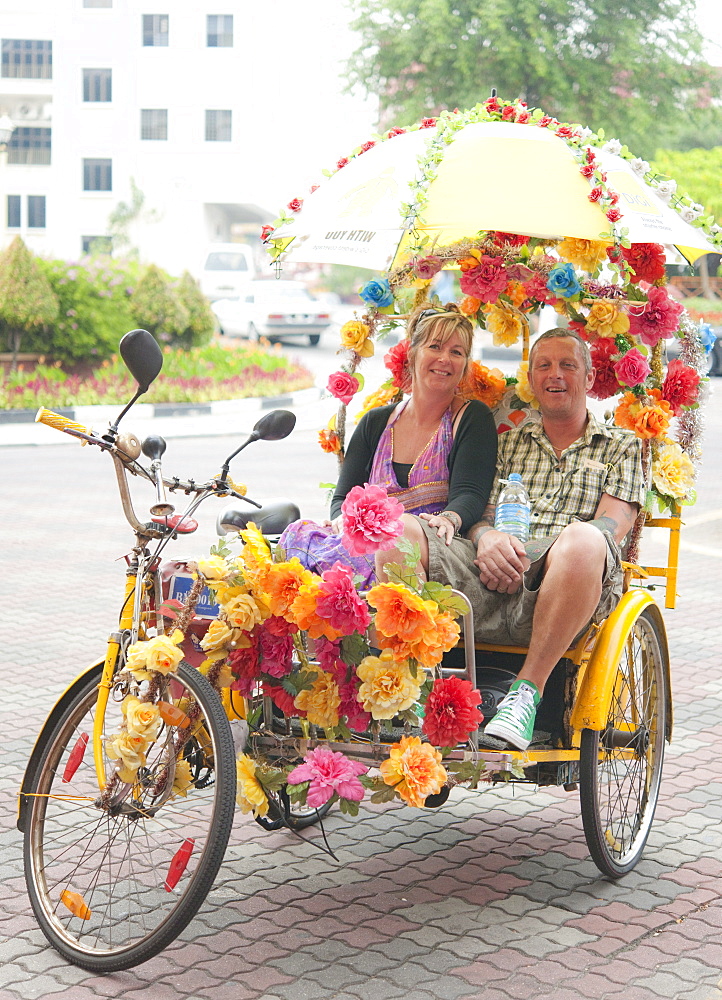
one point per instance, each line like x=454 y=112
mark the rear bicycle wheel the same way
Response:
x=112 y=884
x=620 y=768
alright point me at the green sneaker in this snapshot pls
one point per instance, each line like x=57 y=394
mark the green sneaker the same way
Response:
x=514 y=719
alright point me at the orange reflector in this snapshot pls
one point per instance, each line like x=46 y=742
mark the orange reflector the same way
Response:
x=76 y=904
x=75 y=757
x=172 y=715
x=179 y=864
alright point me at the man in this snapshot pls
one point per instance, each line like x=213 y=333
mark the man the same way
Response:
x=586 y=484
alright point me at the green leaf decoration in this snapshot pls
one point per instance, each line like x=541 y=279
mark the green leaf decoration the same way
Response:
x=410 y=550
x=348 y=807
x=442 y=594
x=354 y=648
x=398 y=573
x=386 y=794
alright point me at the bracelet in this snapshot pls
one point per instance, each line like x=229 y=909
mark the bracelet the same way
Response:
x=455 y=519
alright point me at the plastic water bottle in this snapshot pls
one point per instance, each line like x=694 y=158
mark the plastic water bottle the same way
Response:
x=513 y=509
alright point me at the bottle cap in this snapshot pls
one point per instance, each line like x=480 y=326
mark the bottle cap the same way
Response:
x=514 y=477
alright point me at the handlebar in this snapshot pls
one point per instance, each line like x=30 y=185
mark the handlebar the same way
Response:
x=65 y=424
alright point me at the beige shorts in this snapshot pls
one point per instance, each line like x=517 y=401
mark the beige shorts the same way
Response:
x=506 y=619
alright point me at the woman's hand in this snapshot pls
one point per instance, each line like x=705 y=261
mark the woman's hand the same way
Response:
x=335 y=526
x=444 y=525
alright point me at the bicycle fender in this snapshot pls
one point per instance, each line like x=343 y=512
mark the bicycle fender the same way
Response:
x=44 y=735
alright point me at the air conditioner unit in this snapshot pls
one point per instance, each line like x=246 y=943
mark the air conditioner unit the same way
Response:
x=28 y=112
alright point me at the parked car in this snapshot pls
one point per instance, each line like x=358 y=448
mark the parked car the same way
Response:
x=227 y=270
x=273 y=309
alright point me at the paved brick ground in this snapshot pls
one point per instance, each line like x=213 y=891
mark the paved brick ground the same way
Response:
x=493 y=896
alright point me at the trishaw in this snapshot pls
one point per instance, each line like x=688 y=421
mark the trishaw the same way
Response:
x=128 y=798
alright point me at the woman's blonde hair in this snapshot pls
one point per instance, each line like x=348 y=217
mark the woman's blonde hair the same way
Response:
x=437 y=323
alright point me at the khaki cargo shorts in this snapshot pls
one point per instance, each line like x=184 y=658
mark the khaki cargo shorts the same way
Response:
x=506 y=619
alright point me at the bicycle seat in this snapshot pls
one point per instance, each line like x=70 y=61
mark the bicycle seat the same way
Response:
x=183 y=525
x=275 y=515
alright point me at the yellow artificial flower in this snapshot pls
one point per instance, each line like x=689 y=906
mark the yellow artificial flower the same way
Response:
x=219 y=636
x=355 y=337
x=587 y=254
x=182 y=779
x=606 y=320
x=522 y=389
x=673 y=471
x=387 y=687
x=250 y=795
x=142 y=717
x=322 y=702
x=506 y=325
x=243 y=612
x=385 y=394
x=130 y=751
x=414 y=769
x=214 y=568
x=255 y=557
x=160 y=654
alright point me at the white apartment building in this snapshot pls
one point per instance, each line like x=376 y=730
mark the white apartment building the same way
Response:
x=217 y=112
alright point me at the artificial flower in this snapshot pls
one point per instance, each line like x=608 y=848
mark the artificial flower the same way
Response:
x=383 y=395
x=387 y=686
x=130 y=751
x=250 y=794
x=244 y=662
x=281 y=699
x=505 y=324
x=673 y=471
x=469 y=305
x=339 y=602
x=329 y=441
x=371 y=519
x=613 y=214
x=377 y=292
x=278 y=626
x=266 y=232
x=182 y=778
x=586 y=254
x=509 y=239
x=536 y=289
x=431 y=645
x=646 y=420
x=327 y=652
x=451 y=713
x=243 y=612
x=522 y=388
x=255 y=556
x=343 y=386
x=348 y=683
x=276 y=653
x=400 y=613
x=681 y=385
x=427 y=267
x=486 y=280
x=397 y=362
x=283 y=582
x=516 y=292
x=356 y=336
x=485 y=384
x=141 y=717
x=366 y=146
x=632 y=368
x=605 y=384
x=607 y=320
x=665 y=190
x=647 y=261
x=304 y=614
x=321 y=702
x=295 y=205
x=659 y=318
x=161 y=654
x=214 y=568
x=329 y=773
x=219 y=636
x=562 y=281
x=414 y=769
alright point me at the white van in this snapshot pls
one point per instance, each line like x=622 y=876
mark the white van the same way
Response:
x=227 y=269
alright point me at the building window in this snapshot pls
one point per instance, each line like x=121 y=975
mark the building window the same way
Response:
x=97 y=85
x=155 y=29
x=97 y=3
x=220 y=31
x=13 y=211
x=27 y=58
x=97 y=175
x=218 y=126
x=97 y=244
x=36 y=211
x=30 y=146
x=154 y=124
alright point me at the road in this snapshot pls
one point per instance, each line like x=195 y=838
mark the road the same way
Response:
x=492 y=896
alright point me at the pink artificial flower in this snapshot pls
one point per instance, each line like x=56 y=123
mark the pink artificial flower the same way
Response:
x=342 y=162
x=327 y=652
x=681 y=386
x=428 y=123
x=339 y=603
x=632 y=368
x=329 y=772
x=276 y=654
x=295 y=205
x=371 y=520
x=343 y=386
x=348 y=684
x=366 y=146
x=660 y=317
x=279 y=626
x=395 y=131
x=486 y=281
x=427 y=267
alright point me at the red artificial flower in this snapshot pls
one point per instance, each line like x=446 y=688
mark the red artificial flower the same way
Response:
x=343 y=386
x=591 y=158
x=659 y=318
x=613 y=196
x=327 y=652
x=605 y=379
x=348 y=684
x=486 y=281
x=565 y=132
x=276 y=653
x=492 y=104
x=366 y=146
x=595 y=194
x=587 y=170
x=339 y=603
x=647 y=259
x=510 y=239
x=523 y=117
x=632 y=368
x=397 y=362
x=246 y=666
x=342 y=162
x=266 y=232
x=614 y=215
x=295 y=205
x=451 y=713
x=428 y=123
x=536 y=288
x=395 y=131
x=546 y=121
x=580 y=326
x=314 y=187
x=681 y=386
x=279 y=626
x=508 y=113
x=615 y=254
x=282 y=699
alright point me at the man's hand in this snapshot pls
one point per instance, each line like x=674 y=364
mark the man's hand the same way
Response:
x=501 y=560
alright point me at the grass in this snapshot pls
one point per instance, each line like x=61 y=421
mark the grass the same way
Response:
x=708 y=310
x=199 y=375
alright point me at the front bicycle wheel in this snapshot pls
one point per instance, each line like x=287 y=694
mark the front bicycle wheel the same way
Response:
x=620 y=768
x=114 y=879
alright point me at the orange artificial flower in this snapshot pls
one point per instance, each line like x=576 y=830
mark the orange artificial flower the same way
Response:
x=469 y=306
x=646 y=420
x=414 y=769
x=387 y=393
x=400 y=613
x=466 y=263
x=485 y=384
x=516 y=292
x=283 y=582
x=303 y=611
x=329 y=441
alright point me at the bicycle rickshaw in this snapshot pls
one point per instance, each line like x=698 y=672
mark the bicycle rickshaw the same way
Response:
x=128 y=798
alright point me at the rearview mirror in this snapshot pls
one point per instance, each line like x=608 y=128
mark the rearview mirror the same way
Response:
x=275 y=425
x=142 y=356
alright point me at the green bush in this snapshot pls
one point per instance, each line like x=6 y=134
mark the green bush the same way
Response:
x=27 y=301
x=201 y=323
x=156 y=306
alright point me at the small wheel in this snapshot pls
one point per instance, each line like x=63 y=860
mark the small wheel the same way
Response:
x=282 y=814
x=136 y=869
x=620 y=768
x=313 y=339
x=253 y=333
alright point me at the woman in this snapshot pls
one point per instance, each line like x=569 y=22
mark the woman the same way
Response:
x=434 y=452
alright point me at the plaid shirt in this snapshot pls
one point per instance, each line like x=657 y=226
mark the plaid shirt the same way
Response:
x=604 y=460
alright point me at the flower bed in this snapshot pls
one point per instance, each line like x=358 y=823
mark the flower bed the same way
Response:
x=196 y=376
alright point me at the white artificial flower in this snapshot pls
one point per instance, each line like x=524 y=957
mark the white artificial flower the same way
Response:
x=639 y=166
x=665 y=190
x=613 y=146
x=585 y=132
x=689 y=214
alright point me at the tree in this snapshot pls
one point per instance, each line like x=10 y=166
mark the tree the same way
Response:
x=156 y=307
x=125 y=214
x=27 y=301
x=626 y=66
x=201 y=322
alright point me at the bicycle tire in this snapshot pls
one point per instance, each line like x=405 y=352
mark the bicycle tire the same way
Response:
x=119 y=863
x=618 y=783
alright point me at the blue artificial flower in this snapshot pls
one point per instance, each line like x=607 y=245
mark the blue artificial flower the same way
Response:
x=562 y=281
x=377 y=292
x=707 y=337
